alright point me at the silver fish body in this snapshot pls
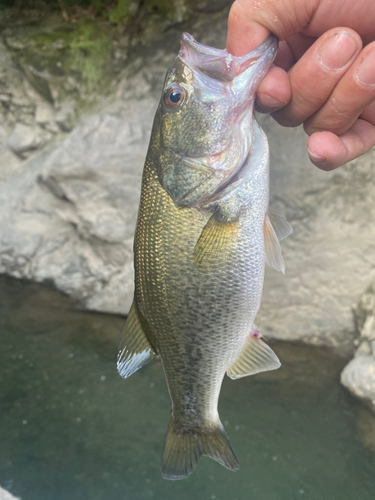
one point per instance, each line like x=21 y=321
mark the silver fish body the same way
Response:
x=203 y=235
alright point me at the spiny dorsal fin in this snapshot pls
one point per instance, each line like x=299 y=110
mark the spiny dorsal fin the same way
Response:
x=280 y=224
x=215 y=241
x=135 y=350
x=272 y=249
x=255 y=357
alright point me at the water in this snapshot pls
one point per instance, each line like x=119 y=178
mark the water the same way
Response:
x=71 y=428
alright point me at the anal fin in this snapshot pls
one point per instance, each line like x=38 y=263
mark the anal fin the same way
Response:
x=255 y=357
x=134 y=350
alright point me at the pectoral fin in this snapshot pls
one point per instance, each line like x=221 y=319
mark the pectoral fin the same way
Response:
x=280 y=224
x=255 y=357
x=135 y=350
x=272 y=247
x=215 y=241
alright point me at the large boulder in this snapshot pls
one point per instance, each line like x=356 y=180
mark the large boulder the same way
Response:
x=68 y=214
x=330 y=255
x=359 y=378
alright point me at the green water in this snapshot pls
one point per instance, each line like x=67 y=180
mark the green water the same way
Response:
x=71 y=428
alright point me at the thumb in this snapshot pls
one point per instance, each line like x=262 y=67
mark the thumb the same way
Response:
x=252 y=21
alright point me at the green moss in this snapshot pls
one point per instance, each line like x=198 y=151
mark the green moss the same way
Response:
x=83 y=52
x=120 y=12
x=89 y=54
x=163 y=7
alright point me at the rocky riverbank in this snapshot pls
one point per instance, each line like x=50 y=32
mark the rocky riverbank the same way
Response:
x=359 y=375
x=71 y=154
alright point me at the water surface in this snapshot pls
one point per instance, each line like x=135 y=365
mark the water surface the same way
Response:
x=72 y=429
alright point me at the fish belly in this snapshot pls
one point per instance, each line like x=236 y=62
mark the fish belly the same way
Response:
x=200 y=316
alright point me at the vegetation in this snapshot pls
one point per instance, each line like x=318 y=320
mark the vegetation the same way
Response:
x=75 y=48
x=115 y=11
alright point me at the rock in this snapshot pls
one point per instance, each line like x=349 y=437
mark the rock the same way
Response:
x=3 y=133
x=70 y=217
x=44 y=113
x=359 y=378
x=9 y=163
x=66 y=115
x=359 y=375
x=364 y=348
x=15 y=106
x=5 y=495
x=328 y=256
x=364 y=313
x=24 y=139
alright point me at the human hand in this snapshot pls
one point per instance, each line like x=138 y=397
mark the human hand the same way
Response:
x=323 y=78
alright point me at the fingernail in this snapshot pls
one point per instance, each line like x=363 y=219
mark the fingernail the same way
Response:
x=366 y=70
x=268 y=102
x=316 y=158
x=338 y=50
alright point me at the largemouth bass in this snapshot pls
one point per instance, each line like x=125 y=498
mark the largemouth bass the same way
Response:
x=203 y=235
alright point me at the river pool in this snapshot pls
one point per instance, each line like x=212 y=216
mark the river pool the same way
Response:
x=72 y=429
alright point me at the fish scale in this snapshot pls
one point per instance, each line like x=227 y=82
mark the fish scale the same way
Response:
x=203 y=235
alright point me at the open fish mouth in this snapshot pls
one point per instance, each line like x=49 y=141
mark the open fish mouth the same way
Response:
x=220 y=64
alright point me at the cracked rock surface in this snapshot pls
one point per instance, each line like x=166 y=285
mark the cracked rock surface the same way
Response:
x=69 y=214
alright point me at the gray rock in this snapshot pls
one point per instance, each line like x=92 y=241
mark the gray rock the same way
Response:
x=24 y=139
x=66 y=115
x=364 y=348
x=364 y=313
x=5 y=495
x=359 y=378
x=329 y=256
x=359 y=375
x=44 y=113
x=69 y=216
x=76 y=210
x=9 y=162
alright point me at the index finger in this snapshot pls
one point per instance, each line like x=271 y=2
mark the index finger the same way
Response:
x=251 y=21
x=244 y=33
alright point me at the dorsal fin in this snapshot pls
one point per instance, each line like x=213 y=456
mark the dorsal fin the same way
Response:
x=134 y=350
x=255 y=357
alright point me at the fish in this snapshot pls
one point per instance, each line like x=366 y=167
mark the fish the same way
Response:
x=203 y=236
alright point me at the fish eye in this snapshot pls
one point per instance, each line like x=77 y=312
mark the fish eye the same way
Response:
x=174 y=96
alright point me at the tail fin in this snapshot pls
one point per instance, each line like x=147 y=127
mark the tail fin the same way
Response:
x=182 y=450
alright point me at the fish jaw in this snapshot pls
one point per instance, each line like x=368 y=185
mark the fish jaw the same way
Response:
x=220 y=64
x=243 y=73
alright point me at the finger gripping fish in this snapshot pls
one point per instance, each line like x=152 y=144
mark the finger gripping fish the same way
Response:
x=203 y=235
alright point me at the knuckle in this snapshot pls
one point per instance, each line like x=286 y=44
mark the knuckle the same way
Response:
x=306 y=96
x=335 y=117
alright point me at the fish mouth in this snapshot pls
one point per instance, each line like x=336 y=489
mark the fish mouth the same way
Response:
x=222 y=65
